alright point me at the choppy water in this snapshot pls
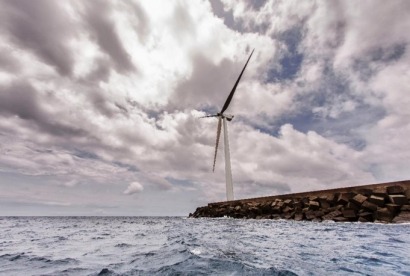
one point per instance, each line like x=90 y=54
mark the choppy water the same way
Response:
x=179 y=246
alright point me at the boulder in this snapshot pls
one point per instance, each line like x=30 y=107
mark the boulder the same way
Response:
x=358 y=199
x=394 y=190
x=398 y=199
x=379 y=201
x=369 y=206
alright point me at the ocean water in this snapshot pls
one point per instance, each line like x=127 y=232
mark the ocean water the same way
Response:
x=181 y=246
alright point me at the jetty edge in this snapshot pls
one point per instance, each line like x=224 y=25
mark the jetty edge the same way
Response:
x=383 y=202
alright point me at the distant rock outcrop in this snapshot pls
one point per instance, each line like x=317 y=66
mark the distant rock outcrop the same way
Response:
x=386 y=202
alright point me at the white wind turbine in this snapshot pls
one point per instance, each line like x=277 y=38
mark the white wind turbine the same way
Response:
x=225 y=117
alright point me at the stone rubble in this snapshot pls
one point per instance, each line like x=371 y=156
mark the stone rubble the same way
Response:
x=391 y=206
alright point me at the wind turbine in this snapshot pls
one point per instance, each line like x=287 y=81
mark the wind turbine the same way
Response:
x=223 y=118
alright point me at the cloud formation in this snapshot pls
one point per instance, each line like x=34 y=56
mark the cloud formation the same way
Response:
x=133 y=188
x=93 y=98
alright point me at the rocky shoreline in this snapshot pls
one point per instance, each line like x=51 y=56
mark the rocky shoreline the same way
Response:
x=386 y=202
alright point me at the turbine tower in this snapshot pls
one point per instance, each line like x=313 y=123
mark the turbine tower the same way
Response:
x=222 y=120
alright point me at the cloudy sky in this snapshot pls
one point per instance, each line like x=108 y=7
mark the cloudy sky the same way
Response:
x=99 y=101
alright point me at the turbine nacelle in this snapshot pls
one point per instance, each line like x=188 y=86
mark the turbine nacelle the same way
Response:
x=228 y=117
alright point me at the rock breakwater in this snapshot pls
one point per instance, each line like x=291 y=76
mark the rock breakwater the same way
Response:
x=386 y=202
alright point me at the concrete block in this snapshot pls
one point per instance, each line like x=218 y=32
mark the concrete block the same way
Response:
x=393 y=208
x=310 y=215
x=287 y=209
x=368 y=216
x=344 y=198
x=288 y=202
x=369 y=206
x=298 y=216
x=379 y=201
x=314 y=205
x=340 y=219
x=398 y=199
x=405 y=208
x=363 y=219
x=403 y=217
x=349 y=213
x=366 y=192
x=352 y=205
x=394 y=190
x=324 y=203
x=383 y=214
x=332 y=215
x=358 y=199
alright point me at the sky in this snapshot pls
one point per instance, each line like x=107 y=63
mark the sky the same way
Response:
x=100 y=101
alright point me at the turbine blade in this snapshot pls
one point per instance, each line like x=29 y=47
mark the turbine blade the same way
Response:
x=218 y=135
x=229 y=99
x=208 y=116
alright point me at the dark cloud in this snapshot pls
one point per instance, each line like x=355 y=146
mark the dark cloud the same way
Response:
x=22 y=100
x=8 y=63
x=227 y=16
x=142 y=26
x=182 y=24
x=43 y=27
x=209 y=84
x=106 y=36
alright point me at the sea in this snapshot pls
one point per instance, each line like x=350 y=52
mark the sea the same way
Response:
x=185 y=246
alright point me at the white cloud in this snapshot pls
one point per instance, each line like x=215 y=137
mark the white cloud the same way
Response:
x=133 y=188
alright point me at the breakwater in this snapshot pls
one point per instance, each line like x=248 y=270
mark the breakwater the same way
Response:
x=384 y=202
